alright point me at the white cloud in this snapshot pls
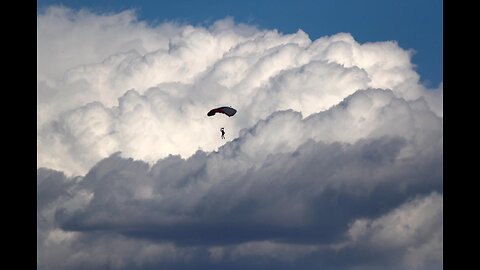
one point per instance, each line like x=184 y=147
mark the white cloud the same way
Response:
x=328 y=132
x=151 y=85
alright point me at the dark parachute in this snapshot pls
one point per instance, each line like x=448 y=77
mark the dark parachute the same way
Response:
x=225 y=110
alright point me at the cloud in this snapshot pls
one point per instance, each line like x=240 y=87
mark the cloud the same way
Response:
x=110 y=83
x=294 y=193
x=415 y=230
x=335 y=152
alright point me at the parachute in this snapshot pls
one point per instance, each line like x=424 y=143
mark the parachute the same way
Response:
x=225 y=110
x=229 y=111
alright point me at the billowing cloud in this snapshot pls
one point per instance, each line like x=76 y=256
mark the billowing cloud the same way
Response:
x=414 y=231
x=334 y=159
x=150 y=87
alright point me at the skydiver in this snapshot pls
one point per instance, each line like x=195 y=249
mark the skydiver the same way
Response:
x=223 y=132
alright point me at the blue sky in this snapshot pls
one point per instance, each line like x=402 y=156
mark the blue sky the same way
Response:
x=414 y=24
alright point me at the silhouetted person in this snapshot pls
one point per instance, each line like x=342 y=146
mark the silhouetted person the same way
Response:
x=223 y=132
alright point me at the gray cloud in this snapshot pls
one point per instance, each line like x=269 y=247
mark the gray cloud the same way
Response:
x=333 y=161
x=296 y=193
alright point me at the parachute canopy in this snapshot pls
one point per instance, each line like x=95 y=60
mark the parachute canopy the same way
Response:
x=225 y=110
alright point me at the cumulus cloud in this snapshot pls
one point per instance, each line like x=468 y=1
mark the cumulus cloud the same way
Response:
x=336 y=148
x=111 y=83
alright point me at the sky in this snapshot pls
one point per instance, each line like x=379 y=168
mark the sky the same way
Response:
x=334 y=159
x=414 y=24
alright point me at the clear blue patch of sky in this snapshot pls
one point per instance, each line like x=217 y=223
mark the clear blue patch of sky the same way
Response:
x=414 y=24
